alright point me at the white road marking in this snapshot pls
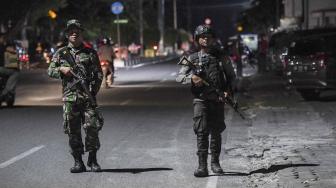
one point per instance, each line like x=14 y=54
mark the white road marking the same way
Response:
x=21 y=156
x=44 y=98
x=163 y=80
x=173 y=74
x=138 y=65
x=125 y=102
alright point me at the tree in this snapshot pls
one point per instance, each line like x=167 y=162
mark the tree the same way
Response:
x=260 y=17
x=31 y=11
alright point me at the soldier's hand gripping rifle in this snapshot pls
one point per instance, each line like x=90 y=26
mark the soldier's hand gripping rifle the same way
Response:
x=79 y=73
x=80 y=77
x=230 y=101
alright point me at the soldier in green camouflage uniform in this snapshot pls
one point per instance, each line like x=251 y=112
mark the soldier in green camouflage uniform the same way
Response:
x=78 y=109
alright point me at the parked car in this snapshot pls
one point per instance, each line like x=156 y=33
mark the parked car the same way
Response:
x=277 y=48
x=310 y=64
x=280 y=42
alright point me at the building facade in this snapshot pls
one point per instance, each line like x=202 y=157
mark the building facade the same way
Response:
x=308 y=14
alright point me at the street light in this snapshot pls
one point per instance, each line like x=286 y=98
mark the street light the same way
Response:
x=52 y=14
x=240 y=28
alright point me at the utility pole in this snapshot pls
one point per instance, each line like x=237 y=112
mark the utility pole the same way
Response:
x=141 y=27
x=161 y=4
x=175 y=23
x=277 y=13
x=306 y=16
x=118 y=30
x=189 y=16
x=175 y=14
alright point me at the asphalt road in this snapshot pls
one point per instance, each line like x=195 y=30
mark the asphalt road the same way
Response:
x=148 y=141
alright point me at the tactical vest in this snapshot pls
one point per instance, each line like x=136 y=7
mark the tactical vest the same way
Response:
x=84 y=58
x=212 y=71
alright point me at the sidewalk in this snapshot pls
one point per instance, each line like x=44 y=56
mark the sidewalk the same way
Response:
x=287 y=144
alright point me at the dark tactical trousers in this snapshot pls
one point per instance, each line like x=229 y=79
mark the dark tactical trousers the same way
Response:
x=208 y=120
x=75 y=115
x=13 y=77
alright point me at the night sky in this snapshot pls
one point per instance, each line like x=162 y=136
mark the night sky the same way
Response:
x=223 y=14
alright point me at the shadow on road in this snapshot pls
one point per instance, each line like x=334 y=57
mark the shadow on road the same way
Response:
x=231 y=174
x=275 y=168
x=325 y=96
x=135 y=170
x=271 y=169
x=329 y=98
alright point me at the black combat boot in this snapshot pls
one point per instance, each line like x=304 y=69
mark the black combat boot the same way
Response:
x=215 y=166
x=92 y=162
x=79 y=165
x=202 y=170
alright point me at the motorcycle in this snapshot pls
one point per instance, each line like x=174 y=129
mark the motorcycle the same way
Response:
x=10 y=97
x=23 y=56
x=108 y=73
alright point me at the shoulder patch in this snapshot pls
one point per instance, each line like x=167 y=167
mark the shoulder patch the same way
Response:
x=62 y=50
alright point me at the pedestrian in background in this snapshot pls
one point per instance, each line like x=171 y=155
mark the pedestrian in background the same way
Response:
x=2 y=49
x=10 y=70
x=238 y=52
x=106 y=56
x=262 y=53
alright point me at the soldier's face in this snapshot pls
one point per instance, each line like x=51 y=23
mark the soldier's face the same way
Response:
x=205 y=40
x=75 y=35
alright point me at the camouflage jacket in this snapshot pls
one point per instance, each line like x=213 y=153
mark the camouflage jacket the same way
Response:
x=84 y=56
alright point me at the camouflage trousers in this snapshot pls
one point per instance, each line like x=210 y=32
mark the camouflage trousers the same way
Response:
x=78 y=114
x=208 y=121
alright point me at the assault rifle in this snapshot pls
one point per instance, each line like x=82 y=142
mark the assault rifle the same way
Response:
x=229 y=100
x=79 y=73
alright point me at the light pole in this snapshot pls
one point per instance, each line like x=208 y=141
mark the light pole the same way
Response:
x=161 y=25
x=141 y=27
x=175 y=22
x=117 y=8
x=118 y=30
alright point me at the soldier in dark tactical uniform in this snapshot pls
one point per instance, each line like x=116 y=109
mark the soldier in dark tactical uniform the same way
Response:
x=79 y=107
x=216 y=69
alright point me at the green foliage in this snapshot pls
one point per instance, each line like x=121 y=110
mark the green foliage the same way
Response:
x=259 y=17
x=40 y=8
x=97 y=19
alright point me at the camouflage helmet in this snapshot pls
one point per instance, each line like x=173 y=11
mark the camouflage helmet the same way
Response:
x=73 y=23
x=203 y=29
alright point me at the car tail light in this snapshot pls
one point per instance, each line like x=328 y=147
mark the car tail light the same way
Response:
x=234 y=58
x=284 y=62
x=321 y=59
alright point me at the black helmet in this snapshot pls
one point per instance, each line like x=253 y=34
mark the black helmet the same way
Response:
x=203 y=29
x=73 y=23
